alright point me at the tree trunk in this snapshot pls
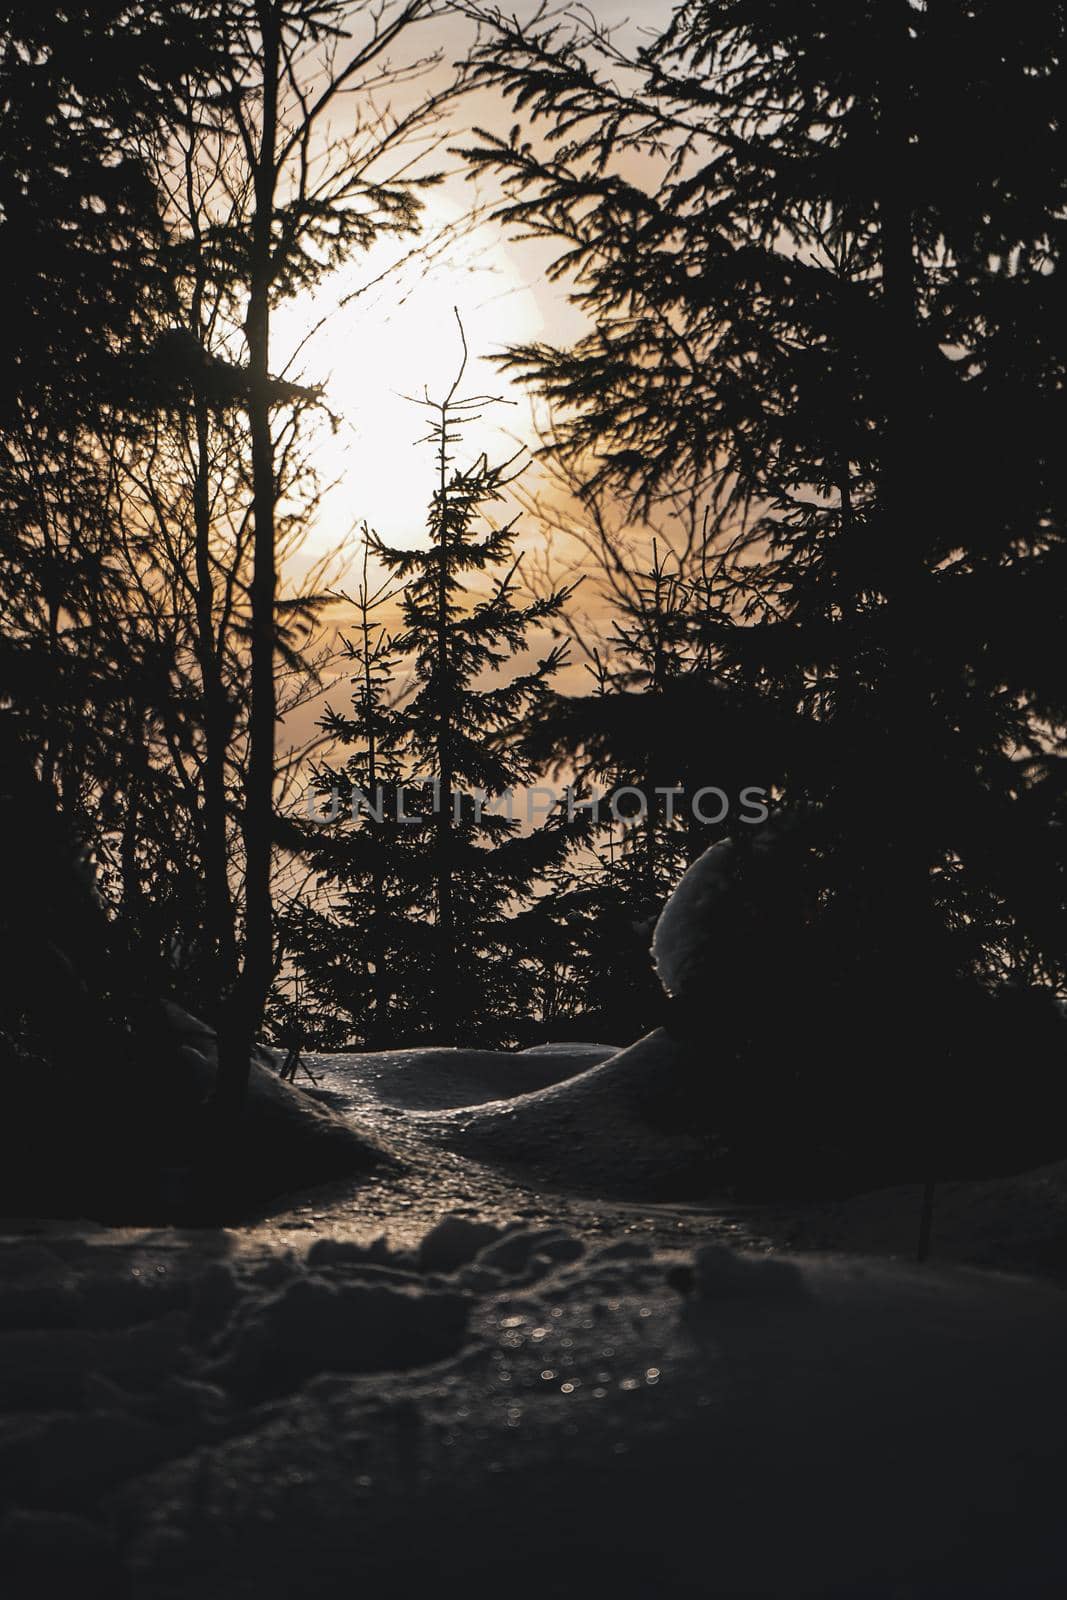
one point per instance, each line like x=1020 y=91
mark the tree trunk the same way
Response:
x=220 y=916
x=221 y=933
x=377 y=1034
x=446 y=930
x=244 y=1013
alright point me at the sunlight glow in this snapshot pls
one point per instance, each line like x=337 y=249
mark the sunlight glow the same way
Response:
x=380 y=346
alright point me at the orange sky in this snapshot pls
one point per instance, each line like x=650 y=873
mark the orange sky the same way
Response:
x=398 y=338
x=375 y=347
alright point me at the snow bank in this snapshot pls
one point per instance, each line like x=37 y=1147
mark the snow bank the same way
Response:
x=588 y=1054
x=439 y=1077
x=286 y=1138
x=679 y=940
x=362 y=1321
x=120 y=1138
x=699 y=914
x=1020 y=1219
x=621 y=1127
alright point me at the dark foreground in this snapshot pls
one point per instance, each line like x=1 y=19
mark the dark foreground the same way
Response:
x=540 y=1395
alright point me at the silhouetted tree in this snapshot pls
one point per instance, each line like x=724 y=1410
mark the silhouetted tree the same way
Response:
x=364 y=948
x=86 y=98
x=289 y=193
x=819 y=253
x=169 y=176
x=435 y=897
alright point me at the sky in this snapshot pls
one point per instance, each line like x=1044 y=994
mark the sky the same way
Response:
x=381 y=334
x=388 y=348
x=380 y=347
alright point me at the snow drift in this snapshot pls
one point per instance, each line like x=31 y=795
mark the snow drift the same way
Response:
x=679 y=939
x=623 y=1126
x=286 y=1139
x=440 y=1077
x=116 y=1138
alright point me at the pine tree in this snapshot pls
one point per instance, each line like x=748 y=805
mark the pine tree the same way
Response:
x=640 y=742
x=648 y=832
x=819 y=250
x=364 y=949
x=169 y=178
x=435 y=898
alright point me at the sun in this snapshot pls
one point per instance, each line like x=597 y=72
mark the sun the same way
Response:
x=380 y=334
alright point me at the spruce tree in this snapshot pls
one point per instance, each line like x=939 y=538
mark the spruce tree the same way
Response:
x=819 y=249
x=647 y=832
x=431 y=871
x=362 y=945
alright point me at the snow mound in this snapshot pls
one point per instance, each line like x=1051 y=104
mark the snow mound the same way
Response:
x=439 y=1077
x=122 y=1138
x=453 y=1242
x=361 y=1324
x=1019 y=1220
x=679 y=937
x=700 y=911
x=286 y=1139
x=589 y=1053
x=621 y=1127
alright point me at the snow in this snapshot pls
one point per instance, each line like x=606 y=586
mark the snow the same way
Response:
x=699 y=907
x=454 y=1242
x=555 y=1414
x=443 y=1376
x=115 y=1138
x=490 y=1357
x=679 y=937
x=623 y=1126
x=588 y=1054
x=286 y=1138
x=439 y=1077
x=345 y=1318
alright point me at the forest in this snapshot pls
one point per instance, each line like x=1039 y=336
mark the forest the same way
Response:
x=550 y=805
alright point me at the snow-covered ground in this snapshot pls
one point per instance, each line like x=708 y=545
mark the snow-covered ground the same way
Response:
x=503 y=1355
x=610 y=1122
x=442 y=1078
x=460 y=1371
x=523 y=1409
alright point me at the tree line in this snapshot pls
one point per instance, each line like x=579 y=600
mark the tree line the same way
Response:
x=808 y=448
